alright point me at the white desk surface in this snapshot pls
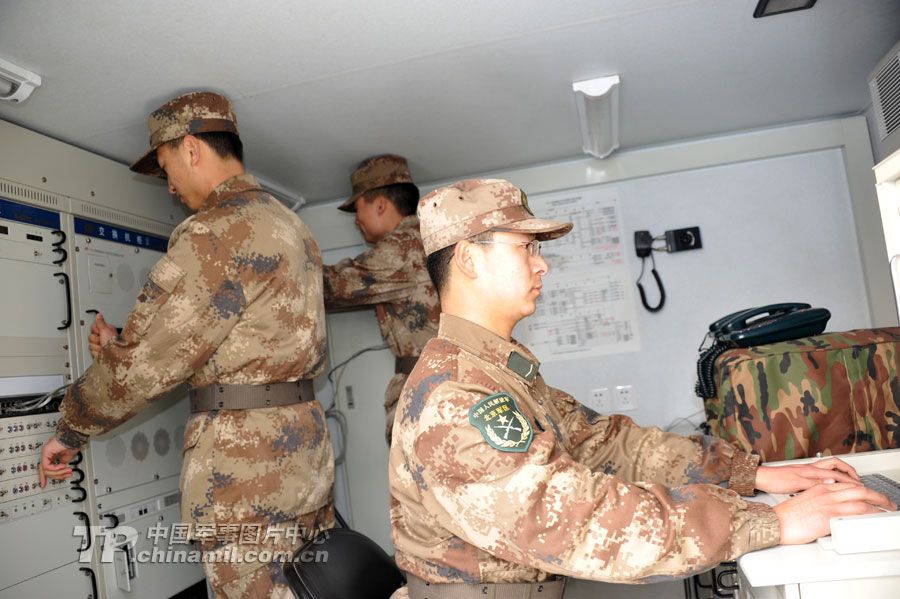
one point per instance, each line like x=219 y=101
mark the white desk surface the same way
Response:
x=794 y=564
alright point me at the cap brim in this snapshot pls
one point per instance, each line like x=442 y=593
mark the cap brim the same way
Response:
x=147 y=165
x=350 y=204
x=543 y=230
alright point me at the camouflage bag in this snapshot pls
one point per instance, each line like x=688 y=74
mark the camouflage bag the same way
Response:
x=833 y=393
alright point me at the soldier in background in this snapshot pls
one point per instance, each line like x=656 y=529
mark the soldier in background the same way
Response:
x=235 y=309
x=391 y=276
x=500 y=483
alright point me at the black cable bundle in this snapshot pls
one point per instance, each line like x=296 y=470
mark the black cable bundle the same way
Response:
x=706 y=364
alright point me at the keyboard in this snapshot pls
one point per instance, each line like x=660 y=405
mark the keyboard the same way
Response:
x=868 y=532
x=882 y=484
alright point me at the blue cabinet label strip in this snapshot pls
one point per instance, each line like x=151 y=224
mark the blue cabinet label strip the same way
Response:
x=29 y=214
x=120 y=235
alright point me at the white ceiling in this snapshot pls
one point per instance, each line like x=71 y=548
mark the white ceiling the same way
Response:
x=460 y=87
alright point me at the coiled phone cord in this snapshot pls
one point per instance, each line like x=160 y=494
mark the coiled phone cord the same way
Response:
x=662 y=290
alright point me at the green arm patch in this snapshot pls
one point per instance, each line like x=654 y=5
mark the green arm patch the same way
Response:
x=501 y=423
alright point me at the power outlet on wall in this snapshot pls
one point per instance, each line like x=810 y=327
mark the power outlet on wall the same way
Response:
x=601 y=400
x=625 y=398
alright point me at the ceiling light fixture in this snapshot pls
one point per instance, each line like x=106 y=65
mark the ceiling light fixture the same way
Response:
x=598 y=114
x=19 y=83
x=767 y=8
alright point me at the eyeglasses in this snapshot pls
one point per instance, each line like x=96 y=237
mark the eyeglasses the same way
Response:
x=534 y=247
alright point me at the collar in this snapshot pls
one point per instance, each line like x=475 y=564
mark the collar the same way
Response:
x=490 y=347
x=410 y=221
x=228 y=187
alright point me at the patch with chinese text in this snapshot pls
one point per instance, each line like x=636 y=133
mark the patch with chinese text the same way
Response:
x=501 y=423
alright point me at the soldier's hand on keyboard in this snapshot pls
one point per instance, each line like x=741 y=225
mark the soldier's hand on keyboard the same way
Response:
x=799 y=477
x=806 y=516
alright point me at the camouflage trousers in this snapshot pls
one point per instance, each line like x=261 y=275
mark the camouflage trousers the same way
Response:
x=230 y=578
x=262 y=583
x=255 y=485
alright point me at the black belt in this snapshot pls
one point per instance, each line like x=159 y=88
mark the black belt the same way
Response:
x=248 y=397
x=548 y=589
x=405 y=365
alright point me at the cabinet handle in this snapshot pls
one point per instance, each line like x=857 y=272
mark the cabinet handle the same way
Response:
x=114 y=518
x=89 y=572
x=64 y=253
x=75 y=483
x=84 y=516
x=68 y=321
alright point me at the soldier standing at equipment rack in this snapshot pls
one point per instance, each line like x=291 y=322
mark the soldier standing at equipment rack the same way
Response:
x=392 y=274
x=235 y=309
x=500 y=485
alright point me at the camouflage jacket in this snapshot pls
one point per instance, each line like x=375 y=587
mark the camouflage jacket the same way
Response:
x=496 y=477
x=391 y=276
x=235 y=300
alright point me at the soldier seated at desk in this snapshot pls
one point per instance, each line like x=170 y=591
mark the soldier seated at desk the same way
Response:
x=503 y=486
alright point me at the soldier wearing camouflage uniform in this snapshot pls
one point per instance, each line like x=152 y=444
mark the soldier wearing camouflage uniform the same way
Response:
x=501 y=486
x=234 y=309
x=391 y=275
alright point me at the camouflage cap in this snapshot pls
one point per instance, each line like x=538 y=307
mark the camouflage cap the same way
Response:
x=467 y=208
x=196 y=112
x=378 y=171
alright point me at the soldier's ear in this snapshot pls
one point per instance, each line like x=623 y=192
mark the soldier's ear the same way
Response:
x=467 y=257
x=378 y=203
x=191 y=147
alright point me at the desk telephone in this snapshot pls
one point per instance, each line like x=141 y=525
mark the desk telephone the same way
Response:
x=755 y=326
x=770 y=324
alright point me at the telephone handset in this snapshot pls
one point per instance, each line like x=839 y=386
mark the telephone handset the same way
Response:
x=747 y=313
x=771 y=324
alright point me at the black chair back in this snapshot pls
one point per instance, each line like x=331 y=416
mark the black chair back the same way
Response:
x=340 y=563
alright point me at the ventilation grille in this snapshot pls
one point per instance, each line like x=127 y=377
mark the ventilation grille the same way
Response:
x=63 y=204
x=885 y=89
x=16 y=191
x=114 y=217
